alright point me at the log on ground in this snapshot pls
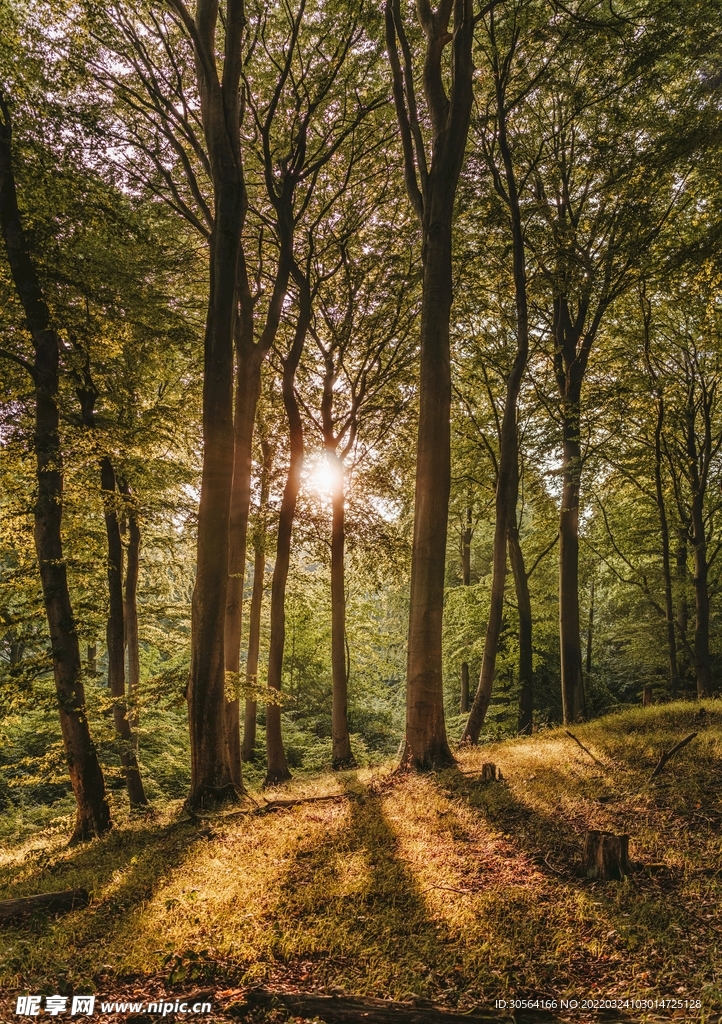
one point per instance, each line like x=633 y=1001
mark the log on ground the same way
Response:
x=49 y=902
x=345 y=1009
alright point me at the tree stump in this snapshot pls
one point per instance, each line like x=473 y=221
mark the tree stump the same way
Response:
x=605 y=856
x=646 y=696
x=489 y=772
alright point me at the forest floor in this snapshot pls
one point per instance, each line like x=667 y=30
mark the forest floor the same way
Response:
x=437 y=886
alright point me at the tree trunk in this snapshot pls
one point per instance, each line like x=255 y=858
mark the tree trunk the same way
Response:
x=466 y=580
x=212 y=777
x=702 y=660
x=590 y=633
x=93 y=815
x=277 y=764
x=426 y=745
x=573 y=699
x=92 y=659
x=431 y=182
x=682 y=606
x=116 y=638
x=248 y=387
x=523 y=601
x=507 y=483
x=666 y=565
x=254 y=635
x=254 y=620
x=342 y=756
x=130 y=611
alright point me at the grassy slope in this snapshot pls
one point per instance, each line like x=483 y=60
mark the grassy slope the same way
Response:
x=432 y=885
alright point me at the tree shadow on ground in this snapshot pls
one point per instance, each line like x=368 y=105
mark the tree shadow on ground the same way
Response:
x=349 y=906
x=639 y=928
x=122 y=871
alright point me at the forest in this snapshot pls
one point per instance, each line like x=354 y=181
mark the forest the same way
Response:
x=361 y=509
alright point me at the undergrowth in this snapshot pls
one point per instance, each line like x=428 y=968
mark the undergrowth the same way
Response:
x=437 y=886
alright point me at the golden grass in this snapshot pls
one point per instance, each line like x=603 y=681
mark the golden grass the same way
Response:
x=434 y=885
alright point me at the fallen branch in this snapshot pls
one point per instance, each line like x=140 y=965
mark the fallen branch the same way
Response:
x=668 y=754
x=270 y=805
x=596 y=759
x=51 y=902
x=353 y=1009
x=448 y=888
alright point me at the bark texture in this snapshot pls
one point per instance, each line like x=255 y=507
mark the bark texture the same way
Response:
x=212 y=776
x=254 y=620
x=507 y=480
x=526 y=664
x=431 y=185
x=248 y=387
x=606 y=856
x=116 y=626
x=466 y=580
x=130 y=609
x=277 y=764
x=93 y=815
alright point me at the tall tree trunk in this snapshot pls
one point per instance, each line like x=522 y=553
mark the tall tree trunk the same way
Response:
x=426 y=745
x=277 y=765
x=431 y=182
x=466 y=580
x=212 y=777
x=666 y=563
x=254 y=619
x=702 y=660
x=116 y=638
x=341 y=743
x=130 y=612
x=248 y=387
x=507 y=483
x=573 y=698
x=86 y=776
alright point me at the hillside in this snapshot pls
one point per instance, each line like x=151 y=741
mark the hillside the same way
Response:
x=437 y=886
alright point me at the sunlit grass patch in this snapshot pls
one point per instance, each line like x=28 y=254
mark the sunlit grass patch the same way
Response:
x=435 y=885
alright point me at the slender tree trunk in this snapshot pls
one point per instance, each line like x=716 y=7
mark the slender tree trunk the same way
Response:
x=130 y=612
x=248 y=387
x=254 y=635
x=573 y=698
x=682 y=606
x=86 y=776
x=254 y=619
x=466 y=580
x=277 y=764
x=702 y=660
x=92 y=659
x=666 y=564
x=590 y=632
x=526 y=664
x=116 y=638
x=507 y=483
x=342 y=756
